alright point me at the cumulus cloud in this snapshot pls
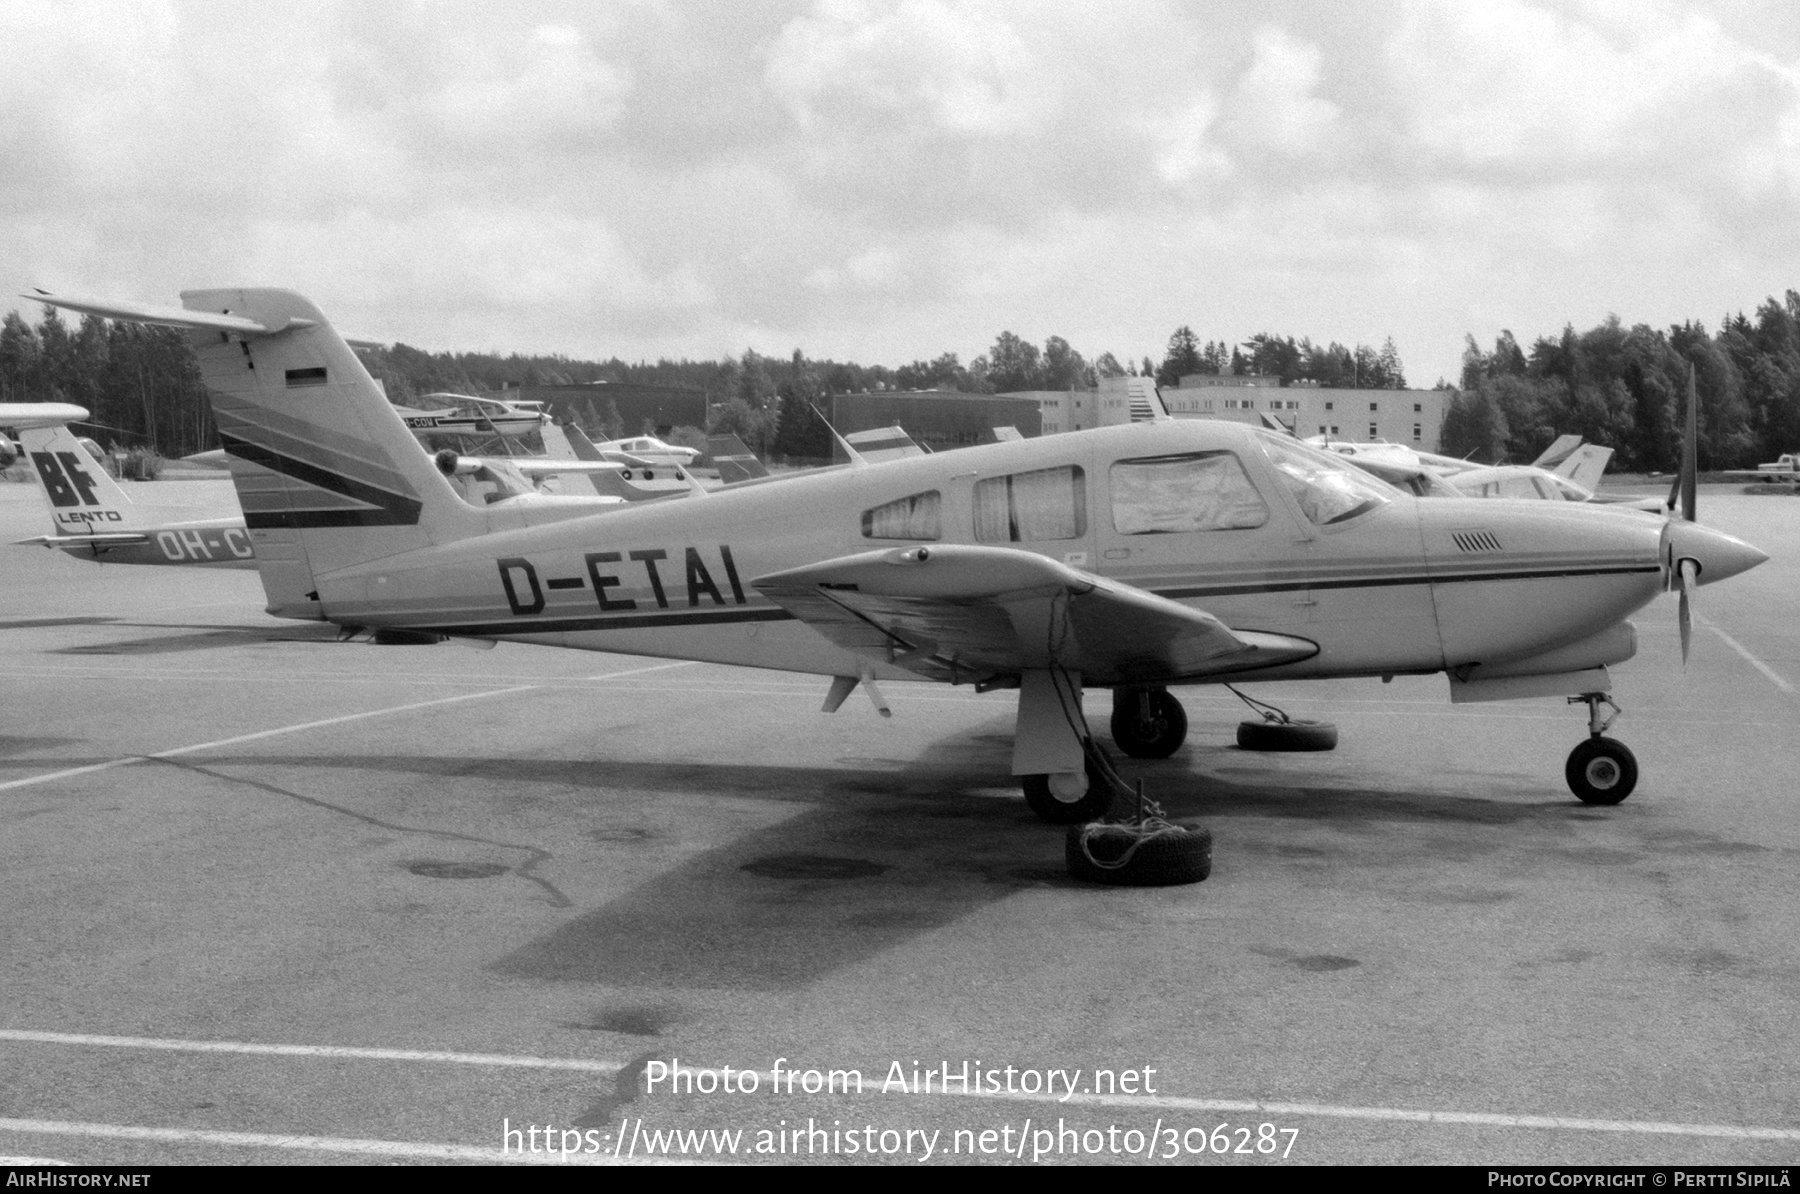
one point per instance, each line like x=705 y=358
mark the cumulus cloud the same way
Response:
x=885 y=179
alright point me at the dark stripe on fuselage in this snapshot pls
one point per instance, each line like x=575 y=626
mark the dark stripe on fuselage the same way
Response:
x=1372 y=582
x=720 y=617
x=624 y=622
x=392 y=509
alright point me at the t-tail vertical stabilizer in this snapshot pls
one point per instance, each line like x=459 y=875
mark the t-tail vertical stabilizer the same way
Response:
x=327 y=472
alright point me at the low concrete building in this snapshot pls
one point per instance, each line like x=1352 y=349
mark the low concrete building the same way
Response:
x=1414 y=418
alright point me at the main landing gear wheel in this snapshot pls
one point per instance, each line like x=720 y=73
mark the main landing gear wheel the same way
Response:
x=1148 y=723
x=1062 y=808
x=1287 y=735
x=1601 y=771
x=1148 y=854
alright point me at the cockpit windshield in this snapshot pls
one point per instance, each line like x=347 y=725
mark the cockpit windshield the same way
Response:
x=1328 y=488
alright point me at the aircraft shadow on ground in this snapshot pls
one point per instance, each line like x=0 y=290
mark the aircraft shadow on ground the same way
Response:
x=200 y=638
x=881 y=856
x=41 y=623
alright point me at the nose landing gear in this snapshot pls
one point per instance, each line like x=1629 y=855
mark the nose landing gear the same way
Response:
x=1601 y=770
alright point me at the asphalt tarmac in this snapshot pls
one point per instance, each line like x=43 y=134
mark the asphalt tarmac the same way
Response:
x=269 y=897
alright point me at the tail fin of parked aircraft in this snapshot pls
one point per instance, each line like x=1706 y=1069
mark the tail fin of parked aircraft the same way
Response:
x=1557 y=452
x=1586 y=465
x=733 y=458
x=83 y=497
x=326 y=471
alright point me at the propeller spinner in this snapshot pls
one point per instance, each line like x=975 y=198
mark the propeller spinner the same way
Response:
x=1694 y=555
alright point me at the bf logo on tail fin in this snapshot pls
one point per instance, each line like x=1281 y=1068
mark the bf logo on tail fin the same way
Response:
x=62 y=481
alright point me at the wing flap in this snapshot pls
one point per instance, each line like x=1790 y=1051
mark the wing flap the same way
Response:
x=957 y=612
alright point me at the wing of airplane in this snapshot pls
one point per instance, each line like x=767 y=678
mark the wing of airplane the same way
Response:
x=959 y=612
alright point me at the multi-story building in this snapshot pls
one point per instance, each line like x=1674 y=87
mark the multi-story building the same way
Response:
x=1411 y=417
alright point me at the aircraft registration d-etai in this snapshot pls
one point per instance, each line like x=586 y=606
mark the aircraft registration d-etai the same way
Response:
x=1135 y=558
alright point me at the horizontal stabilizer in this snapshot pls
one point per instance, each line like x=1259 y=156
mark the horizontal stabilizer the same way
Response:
x=175 y=317
x=97 y=539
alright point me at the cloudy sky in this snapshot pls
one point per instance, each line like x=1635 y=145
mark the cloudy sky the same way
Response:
x=884 y=180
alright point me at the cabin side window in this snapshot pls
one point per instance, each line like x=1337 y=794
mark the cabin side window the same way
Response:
x=1201 y=491
x=1049 y=503
x=913 y=517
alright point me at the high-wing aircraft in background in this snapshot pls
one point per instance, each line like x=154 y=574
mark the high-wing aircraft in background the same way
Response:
x=17 y=416
x=1134 y=558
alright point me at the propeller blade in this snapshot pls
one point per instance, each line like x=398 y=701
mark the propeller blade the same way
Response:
x=1685 y=613
x=1690 y=451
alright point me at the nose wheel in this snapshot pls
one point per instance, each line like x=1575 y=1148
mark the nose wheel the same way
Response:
x=1601 y=770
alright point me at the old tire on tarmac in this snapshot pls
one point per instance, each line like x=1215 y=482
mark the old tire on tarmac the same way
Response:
x=1601 y=771
x=1049 y=807
x=1136 y=856
x=1287 y=735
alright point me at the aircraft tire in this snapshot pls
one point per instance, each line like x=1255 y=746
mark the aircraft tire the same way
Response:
x=1166 y=731
x=1131 y=856
x=1287 y=735
x=1093 y=803
x=1601 y=771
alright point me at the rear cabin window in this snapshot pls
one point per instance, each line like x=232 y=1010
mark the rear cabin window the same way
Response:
x=1049 y=503
x=1203 y=491
x=914 y=517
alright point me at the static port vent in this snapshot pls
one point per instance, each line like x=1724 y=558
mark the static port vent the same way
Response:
x=1476 y=540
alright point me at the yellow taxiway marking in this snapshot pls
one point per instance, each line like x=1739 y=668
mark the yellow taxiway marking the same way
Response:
x=128 y=760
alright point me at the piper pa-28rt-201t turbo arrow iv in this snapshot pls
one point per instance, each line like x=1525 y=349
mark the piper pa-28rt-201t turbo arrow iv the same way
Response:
x=1134 y=557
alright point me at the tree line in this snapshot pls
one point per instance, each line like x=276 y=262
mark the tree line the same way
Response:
x=1623 y=387
x=1614 y=385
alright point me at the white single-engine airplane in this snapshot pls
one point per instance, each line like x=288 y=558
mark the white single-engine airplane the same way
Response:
x=1132 y=557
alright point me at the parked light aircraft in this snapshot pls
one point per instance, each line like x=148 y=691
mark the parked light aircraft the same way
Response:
x=1131 y=557
x=93 y=518
x=651 y=450
x=468 y=415
x=1567 y=471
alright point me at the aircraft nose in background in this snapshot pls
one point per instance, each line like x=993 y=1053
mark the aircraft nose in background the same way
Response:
x=1718 y=554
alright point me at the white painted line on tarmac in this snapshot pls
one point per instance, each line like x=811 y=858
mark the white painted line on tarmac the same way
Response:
x=1770 y=673
x=410 y=1149
x=307 y=725
x=1388 y=1114
x=1126 y=1102
x=177 y=1045
x=1406 y=1115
